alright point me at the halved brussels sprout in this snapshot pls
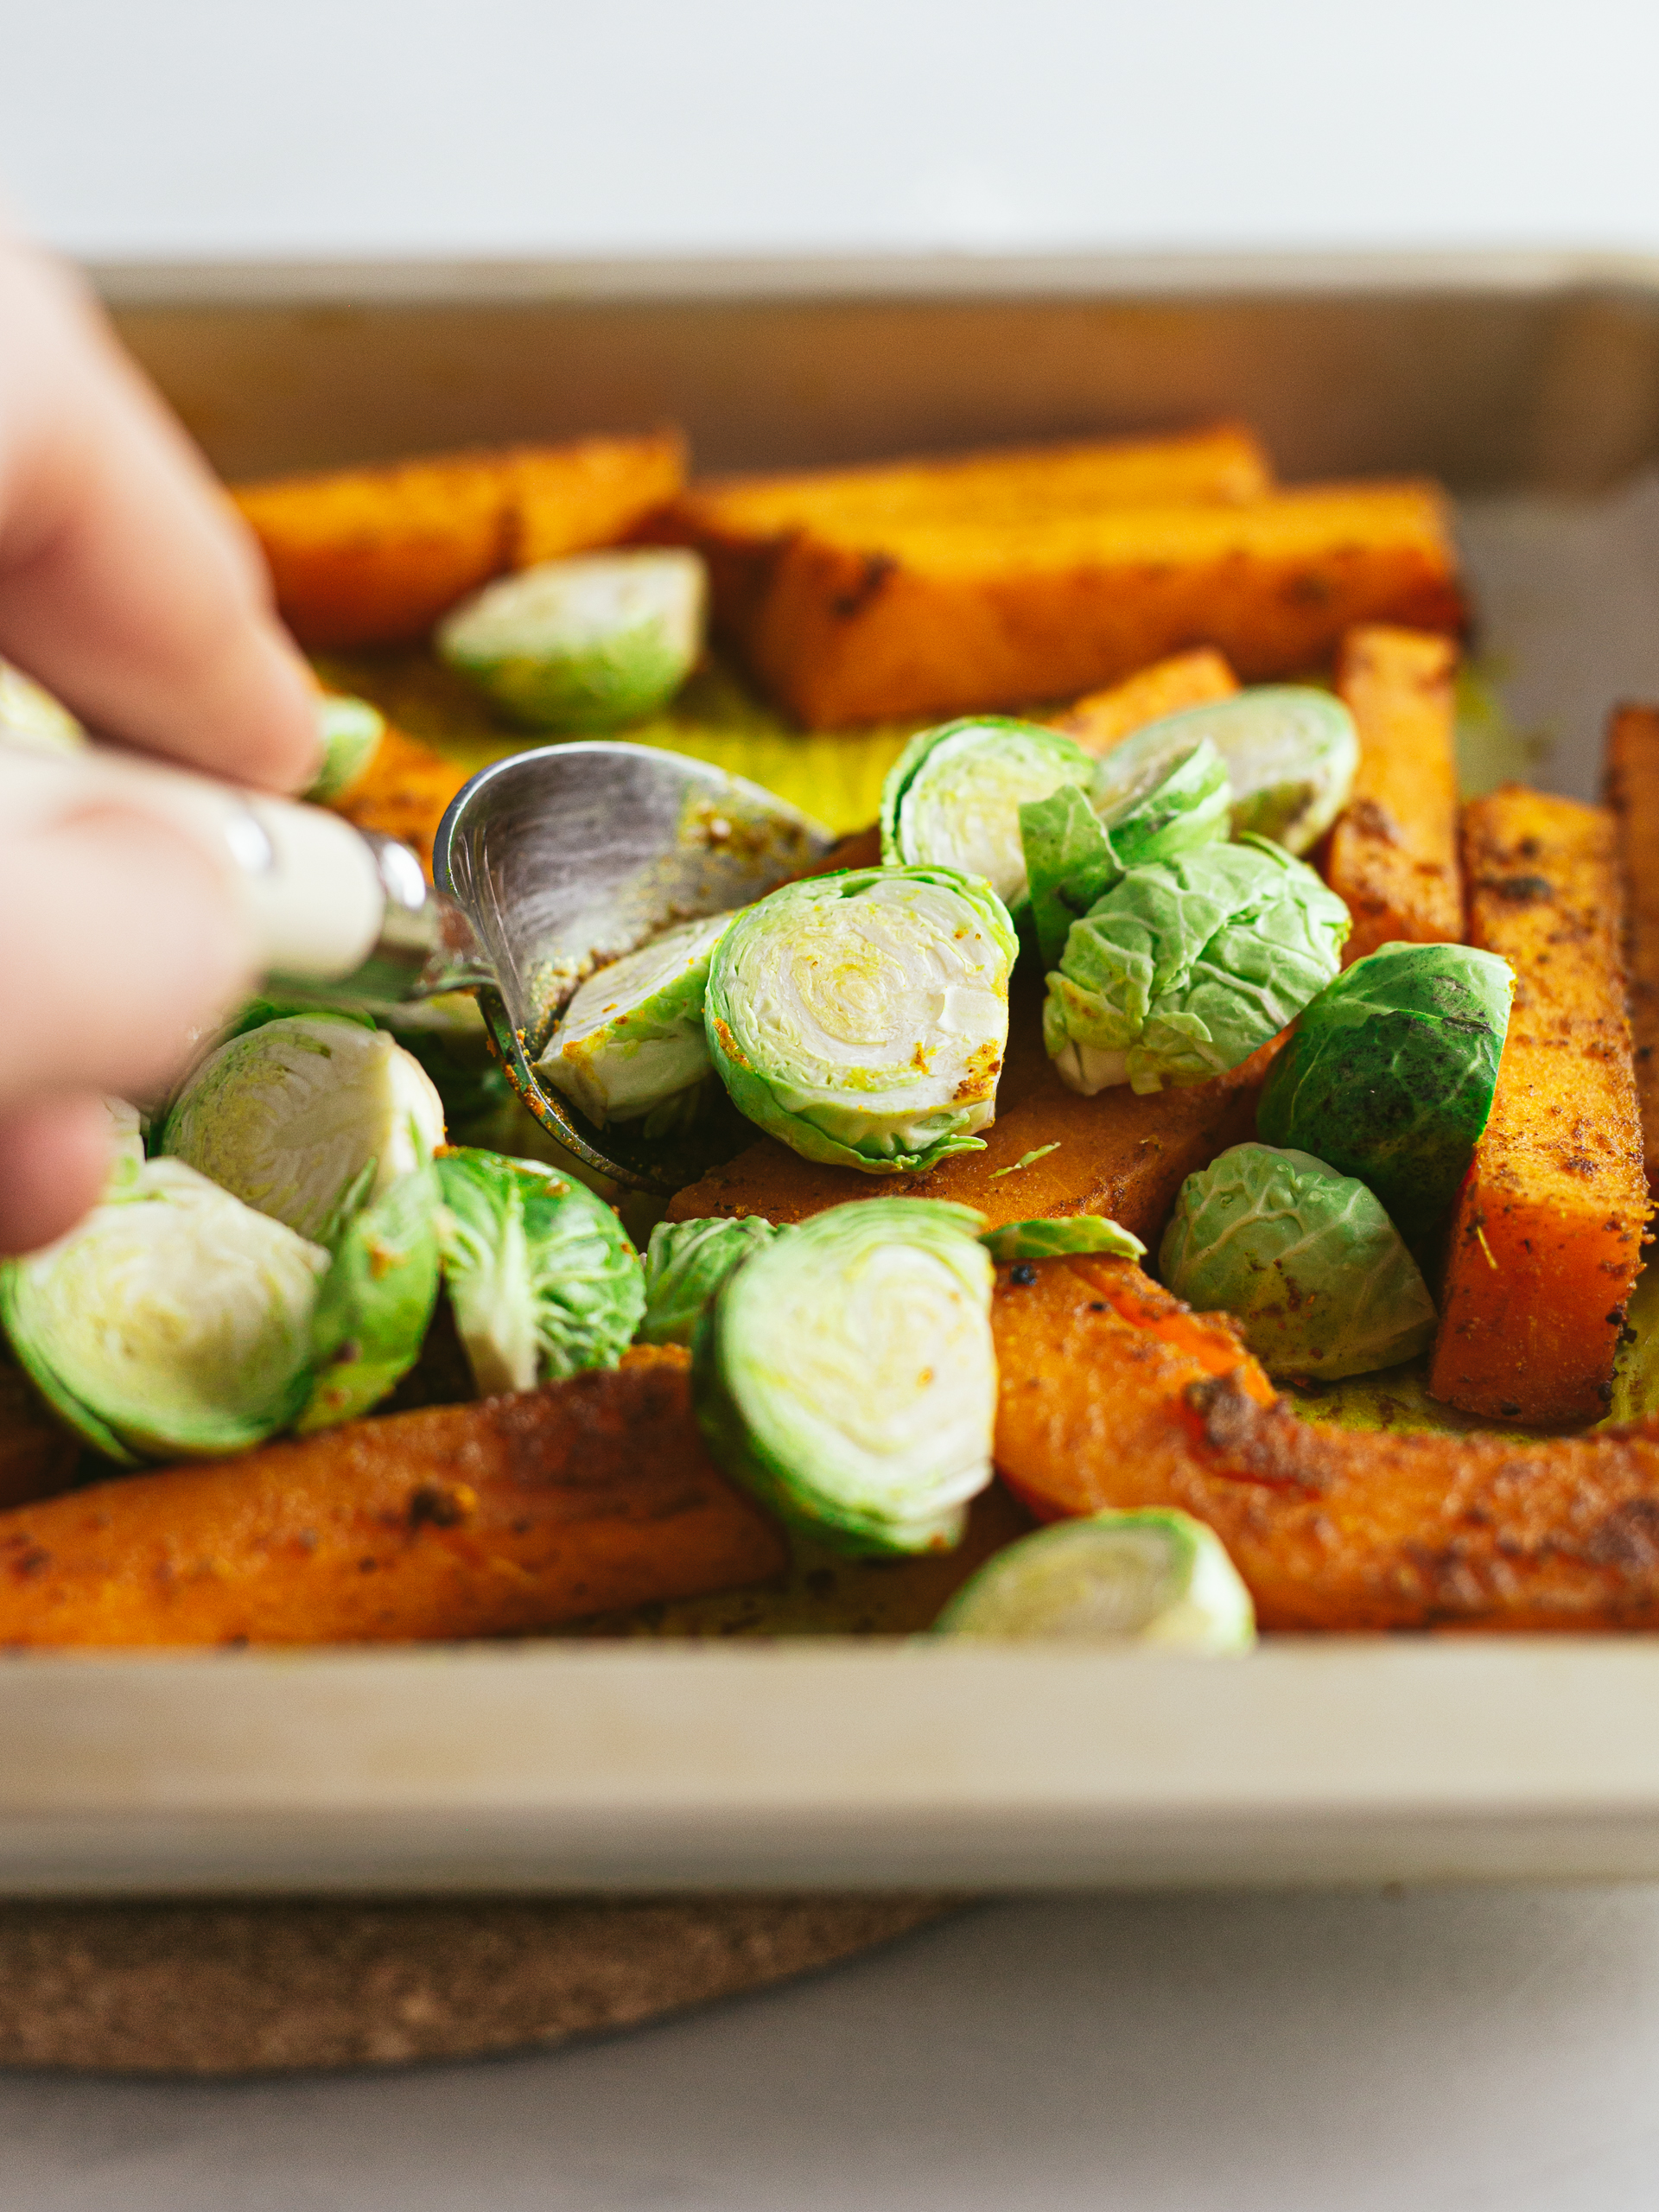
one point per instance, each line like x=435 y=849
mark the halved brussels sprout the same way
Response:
x=1187 y=966
x=310 y=1117
x=172 y=1322
x=862 y=1018
x=686 y=1262
x=376 y=1302
x=1160 y=792
x=542 y=1279
x=953 y=797
x=1173 y=800
x=1290 y=754
x=1054 y=1239
x=31 y=717
x=584 y=644
x=1390 y=1072
x=351 y=730
x=1154 y=1577
x=630 y=1045
x=1306 y=1261
x=846 y=1373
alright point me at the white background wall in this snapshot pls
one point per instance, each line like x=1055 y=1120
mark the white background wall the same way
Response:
x=214 y=127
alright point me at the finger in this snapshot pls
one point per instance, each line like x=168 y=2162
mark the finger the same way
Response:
x=128 y=584
x=54 y=1162
x=123 y=939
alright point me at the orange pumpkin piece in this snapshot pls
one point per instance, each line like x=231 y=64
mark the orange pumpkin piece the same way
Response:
x=374 y=556
x=1100 y=719
x=1393 y=853
x=926 y=616
x=505 y=1517
x=1633 y=794
x=1102 y=1406
x=1546 y=1240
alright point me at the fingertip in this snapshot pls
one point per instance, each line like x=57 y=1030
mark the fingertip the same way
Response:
x=54 y=1164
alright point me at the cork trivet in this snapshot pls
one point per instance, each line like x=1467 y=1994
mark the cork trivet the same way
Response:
x=262 y=1987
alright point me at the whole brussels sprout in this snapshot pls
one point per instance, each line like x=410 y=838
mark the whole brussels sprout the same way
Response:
x=1306 y=1261
x=351 y=730
x=1390 y=1073
x=1186 y=967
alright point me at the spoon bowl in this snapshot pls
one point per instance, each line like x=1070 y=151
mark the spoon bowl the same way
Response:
x=564 y=858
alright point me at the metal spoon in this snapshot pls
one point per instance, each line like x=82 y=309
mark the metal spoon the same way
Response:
x=548 y=864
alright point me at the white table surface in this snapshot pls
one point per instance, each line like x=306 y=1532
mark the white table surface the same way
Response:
x=1447 y=2051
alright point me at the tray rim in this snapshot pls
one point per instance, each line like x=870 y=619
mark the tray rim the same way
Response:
x=137 y=283
x=145 y=1773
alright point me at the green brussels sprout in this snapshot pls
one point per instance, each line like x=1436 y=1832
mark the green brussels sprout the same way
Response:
x=630 y=1045
x=1316 y=1274
x=1187 y=966
x=351 y=730
x=376 y=1302
x=32 y=718
x=1290 y=753
x=846 y=1374
x=1154 y=1577
x=1054 y=1239
x=953 y=799
x=686 y=1262
x=126 y=1139
x=172 y=1322
x=1172 y=801
x=585 y=643
x=542 y=1279
x=308 y=1117
x=1390 y=1072
x=862 y=1018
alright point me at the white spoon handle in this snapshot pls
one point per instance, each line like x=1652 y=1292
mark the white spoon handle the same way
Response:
x=311 y=887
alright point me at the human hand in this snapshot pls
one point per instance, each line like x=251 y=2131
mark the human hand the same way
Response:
x=129 y=589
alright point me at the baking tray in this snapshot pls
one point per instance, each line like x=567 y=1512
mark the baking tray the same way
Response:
x=582 y=1767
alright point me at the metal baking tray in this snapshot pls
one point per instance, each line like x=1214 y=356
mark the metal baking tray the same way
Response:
x=559 y=1765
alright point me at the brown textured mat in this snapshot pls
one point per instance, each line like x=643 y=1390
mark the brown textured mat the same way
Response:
x=250 y=1987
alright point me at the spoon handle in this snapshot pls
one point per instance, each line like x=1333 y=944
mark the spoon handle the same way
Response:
x=336 y=914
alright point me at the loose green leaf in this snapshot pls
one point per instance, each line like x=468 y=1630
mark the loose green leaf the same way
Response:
x=686 y=1263
x=1188 y=966
x=1306 y=1259
x=376 y=1302
x=1390 y=1073
x=953 y=800
x=1070 y=863
x=846 y=1373
x=862 y=1018
x=309 y=1117
x=630 y=1045
x=172 y=1322
x=585 y=643
x=542 y=1279
x=1155 y=1577
x=1055 y=1239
